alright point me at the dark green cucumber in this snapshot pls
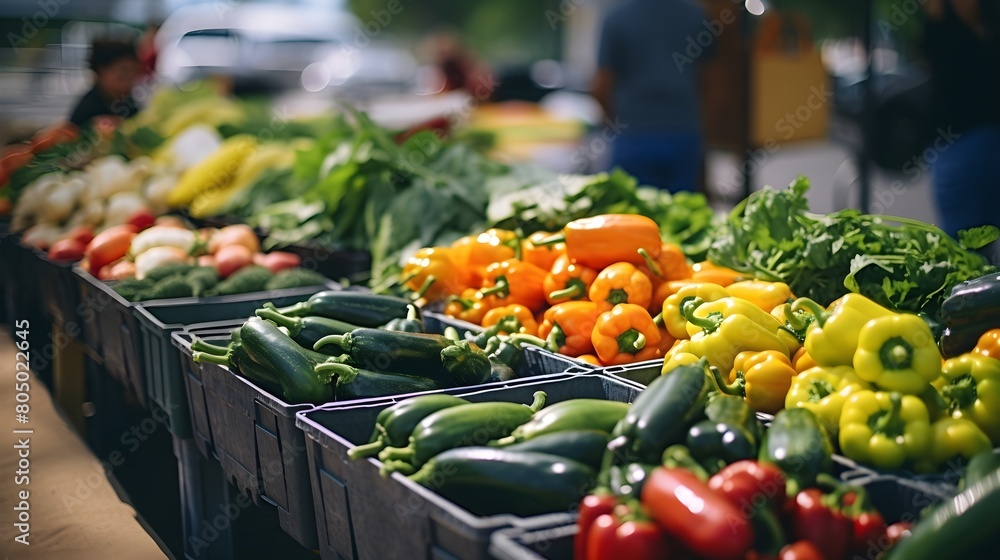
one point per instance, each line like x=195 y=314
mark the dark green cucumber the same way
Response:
x=660 y=416
x=489 y=481
x=979 y=467
x=797 y=443
x=459 y=426
x=963 y=527
x=583 y=446
x=358 y=308
x=412 y=323
x=575 y=414
x=730 y=433
x=395 y=424
x=307 y=331
x=354 y=383
x=291 y=364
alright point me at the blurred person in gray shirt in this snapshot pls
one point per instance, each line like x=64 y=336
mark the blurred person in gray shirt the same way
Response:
x=646 y=81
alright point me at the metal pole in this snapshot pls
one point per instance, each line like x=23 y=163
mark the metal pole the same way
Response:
x=863 y=157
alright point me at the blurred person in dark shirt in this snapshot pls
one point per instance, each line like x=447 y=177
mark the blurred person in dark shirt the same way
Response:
x=962 y=44
x=647 y=85
x=116 y=67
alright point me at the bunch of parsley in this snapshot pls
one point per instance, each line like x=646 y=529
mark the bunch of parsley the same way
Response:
x=910 y=266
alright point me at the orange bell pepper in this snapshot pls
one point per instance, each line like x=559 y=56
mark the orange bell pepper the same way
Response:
x=626 y=334
x=516 y=314
x=542 y=256
x=621 y=283
x=471 y=306
x=590 y=359
x=802 y=361
x=567 y=281
x=600 y=241
x=475 y=253
x=514 y=281
x=708 y=272
x=569 y=326
x=433 y=275
x=671 y=265
x=989 y=344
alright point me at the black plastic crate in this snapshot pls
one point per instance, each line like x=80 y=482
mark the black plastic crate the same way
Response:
x=158 y=359
x=361 y=514
x=540 y=359
x=194 y=383
x=642 y=373
x=435 y=322
x=93 y=300
x=118 y=333
x=59 y=290
x=355 y=266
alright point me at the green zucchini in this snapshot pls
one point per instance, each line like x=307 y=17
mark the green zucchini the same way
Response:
x=307 y=331
x=358 y=308
x=729 y=434
x=798 y=444
x=980 y=466
x=291 y=364
x=500 y=371
x=583 y=446
x=412 y=323
x=395 y=424
x=574 y=414
x=459 y=426
x=660 y=416
x=465 y=364
x=489 y=481
x=260 y=375
x=963 y=527
x=354 y=383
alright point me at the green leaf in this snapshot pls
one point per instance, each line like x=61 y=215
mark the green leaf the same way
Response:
x=978 y=237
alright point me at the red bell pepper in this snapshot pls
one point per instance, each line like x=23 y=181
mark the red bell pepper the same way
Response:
x=750 y=485
x=801 y=550
x=591 y=507
x=701 y=519
x=869 y=525
x=816 y=519
x=627 y=535
x=897 y=532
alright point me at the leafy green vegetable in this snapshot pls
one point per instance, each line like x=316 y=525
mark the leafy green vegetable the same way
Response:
x=911 y=266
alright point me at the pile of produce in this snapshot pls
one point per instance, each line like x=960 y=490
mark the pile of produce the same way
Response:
x=344 y=345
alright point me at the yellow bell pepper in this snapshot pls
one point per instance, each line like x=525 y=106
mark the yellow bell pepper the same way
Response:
x=725 y=308
x=766 y=376
x=802 y=361
x=884 y=430
x=763 y=294
x=824 y=391
x=898 y=353
x=679 y=355
x=970 y=384
x=953 y=441
x=673 y=306
x=833 y=338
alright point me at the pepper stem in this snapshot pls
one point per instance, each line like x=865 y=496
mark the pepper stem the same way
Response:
x=735 y=389
x=653 y=265
x=205 y=357
x=556 y=338
x=412 y=312
x=888 y=421
x=896 y=353
x=550 y=240
x=338 y=339
x=492 y=345
x=501 y=287
x=816 y=309
x=539 y=401
x=451 y=333
x=455 y=350
x=522 y=339
x=328 y=370
x=631 y=341
x=640 y=342
x=658 y=319
x=708 y=324
x=425 y=286
x=678 y=456
x=574 y=288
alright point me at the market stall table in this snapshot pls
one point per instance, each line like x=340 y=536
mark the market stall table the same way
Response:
x=75 y=511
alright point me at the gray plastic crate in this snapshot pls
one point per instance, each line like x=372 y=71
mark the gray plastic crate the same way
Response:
x=361 y=514
x=436 y=322
x=59 y=290
x=191 y=371
x=642 y=373
x=158 y=359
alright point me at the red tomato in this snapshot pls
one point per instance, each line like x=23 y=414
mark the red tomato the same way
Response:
x=277 y=260
x=82 y=233
x=141 y=219
x=109 y=246
x=66 y=250
x=231 y=258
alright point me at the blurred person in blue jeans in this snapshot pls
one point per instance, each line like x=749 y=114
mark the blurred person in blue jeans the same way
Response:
x=962 y=44
x=646 y=81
